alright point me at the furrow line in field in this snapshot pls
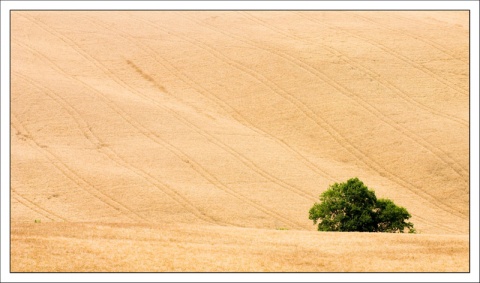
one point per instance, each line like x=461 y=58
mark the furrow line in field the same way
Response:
x=240 y=157
x=431 y=42
x=200 y=169
x=83 y=127
x=395 y=54
x=32 y=82
x=49 y=212
x=373 y=110
x=31 y=205
x=243 y=159
x=243 y=120
x=171 y=192
x=345 y=58
x=72 y=175
x=329 y=128
x=428 y=42
x=239 y=117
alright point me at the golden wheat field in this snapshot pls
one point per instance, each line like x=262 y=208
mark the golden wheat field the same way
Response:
x=198 y=140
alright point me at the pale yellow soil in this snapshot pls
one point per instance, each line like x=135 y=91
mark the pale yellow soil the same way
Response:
x=187 y=141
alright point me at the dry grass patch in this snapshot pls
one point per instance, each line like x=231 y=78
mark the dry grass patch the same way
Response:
x=157 y=248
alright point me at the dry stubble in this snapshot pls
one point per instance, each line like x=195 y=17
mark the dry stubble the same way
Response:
x=181 y=141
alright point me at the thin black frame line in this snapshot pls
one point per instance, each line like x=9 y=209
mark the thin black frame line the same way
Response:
x=233 y=10
x=469 y=144
x=230 y=272
x=250 y=1
x=263 y=272
x=2 y=139
x=10 y=136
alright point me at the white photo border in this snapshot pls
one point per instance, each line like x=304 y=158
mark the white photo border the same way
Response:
x=7 y=6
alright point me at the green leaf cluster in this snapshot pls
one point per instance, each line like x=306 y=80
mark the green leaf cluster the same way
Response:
x=352 y=206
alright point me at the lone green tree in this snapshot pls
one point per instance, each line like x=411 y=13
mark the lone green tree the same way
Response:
x=352 y=206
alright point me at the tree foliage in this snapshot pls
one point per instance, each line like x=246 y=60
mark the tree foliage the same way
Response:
x=352 y=206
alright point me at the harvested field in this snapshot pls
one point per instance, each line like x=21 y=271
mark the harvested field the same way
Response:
x=198 y=141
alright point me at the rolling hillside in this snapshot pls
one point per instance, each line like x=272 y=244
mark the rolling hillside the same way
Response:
x=157 y=135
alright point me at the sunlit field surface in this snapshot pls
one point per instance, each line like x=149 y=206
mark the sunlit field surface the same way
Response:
x=198 y=141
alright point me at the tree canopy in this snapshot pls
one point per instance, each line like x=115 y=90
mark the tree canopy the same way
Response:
x=352 y=206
